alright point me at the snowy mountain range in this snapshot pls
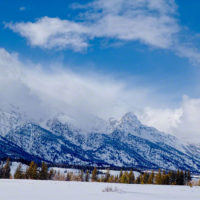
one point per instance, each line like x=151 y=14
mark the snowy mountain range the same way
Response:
x=123 y=143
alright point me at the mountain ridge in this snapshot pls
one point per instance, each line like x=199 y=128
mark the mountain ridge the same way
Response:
x=123 y=143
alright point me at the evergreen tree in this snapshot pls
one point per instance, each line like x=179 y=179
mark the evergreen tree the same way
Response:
x=1 y=169
x=165 y=178
x=158 y=178
x=124 y=178
x=188 y=177
x=173 y=178
x=170 y=174
x=43 y=173
x=31 y=172
x=131 y=177
x=116 y=179
x=87 y=176
x=181 y=178
x=120 y=174
x=19 y=173
x=81 y=175
x=177 y=177
x=185 y=178
x=51 y=174
x=144 y=178
x=107 y=176
x=6 y=169
x=138 y=180
x=94 y=175
x=151 y=178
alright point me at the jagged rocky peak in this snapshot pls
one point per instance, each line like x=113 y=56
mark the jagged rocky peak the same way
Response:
x=126 y=124
x=60 y=124
x=130 y=119
x=81 y=124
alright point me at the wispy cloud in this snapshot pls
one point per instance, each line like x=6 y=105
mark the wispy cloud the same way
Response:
x=53 y=33
x=182 y=121
x=151 y=22
x=188 y=51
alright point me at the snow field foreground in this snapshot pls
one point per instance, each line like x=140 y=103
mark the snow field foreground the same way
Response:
x=61 y=190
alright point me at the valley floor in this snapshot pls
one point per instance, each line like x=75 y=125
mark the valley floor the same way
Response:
x=61 y=190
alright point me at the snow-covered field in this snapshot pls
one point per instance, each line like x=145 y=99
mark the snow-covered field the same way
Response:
x=61 y=190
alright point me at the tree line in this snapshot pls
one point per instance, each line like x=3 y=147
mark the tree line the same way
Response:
x=31 y=172
x=42 y=172
x=161 y=178
x=165 y=178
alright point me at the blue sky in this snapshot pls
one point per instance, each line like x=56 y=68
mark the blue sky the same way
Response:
x=154 y=65
x=145 y=45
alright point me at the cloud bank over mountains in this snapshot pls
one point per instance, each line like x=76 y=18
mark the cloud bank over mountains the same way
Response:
x=61 y=90
x=41 y=94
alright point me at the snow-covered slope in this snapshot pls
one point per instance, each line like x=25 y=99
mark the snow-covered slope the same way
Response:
x=48 y=146
x=10 y=120
x=51 y=190
x=124 y=143
x=11 y=150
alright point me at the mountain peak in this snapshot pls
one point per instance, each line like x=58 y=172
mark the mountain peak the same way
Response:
x=131 y=119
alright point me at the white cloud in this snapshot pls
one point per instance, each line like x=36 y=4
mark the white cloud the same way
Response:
x=53 y=33
x=190 y=52
x=153 y=23
x=164 y=119
x=150 y=22
x=189 y=128
x=183 y=122
x=41 y=94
